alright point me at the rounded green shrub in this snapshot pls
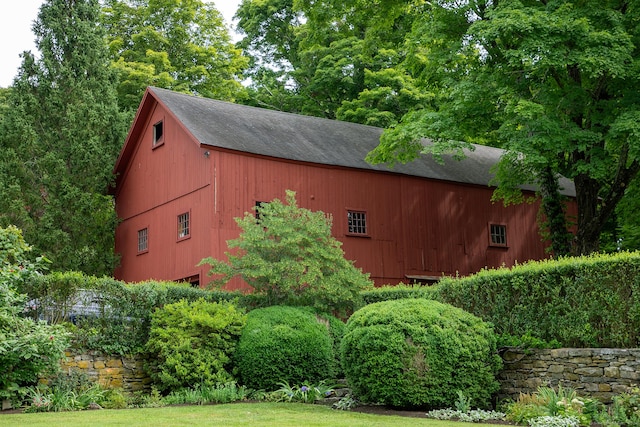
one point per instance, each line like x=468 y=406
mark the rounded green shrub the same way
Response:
x=419 y=353
x=284 y=344
x=192 y=343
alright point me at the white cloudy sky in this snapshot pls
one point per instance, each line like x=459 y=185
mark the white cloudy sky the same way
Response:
x=16 y=36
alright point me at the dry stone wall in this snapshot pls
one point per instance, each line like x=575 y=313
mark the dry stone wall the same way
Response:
x=126 y=373
x=595 y=372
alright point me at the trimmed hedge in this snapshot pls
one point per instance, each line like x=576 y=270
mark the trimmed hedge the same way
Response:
x=591 y=301
x=284 y=344
x=109 y=315
x=419 y=353
x=394 y=292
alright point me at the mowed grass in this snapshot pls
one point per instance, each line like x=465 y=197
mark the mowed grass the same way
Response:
x=234 y=414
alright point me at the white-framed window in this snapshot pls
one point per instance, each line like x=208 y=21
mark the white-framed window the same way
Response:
x=143 y=240
x=184 y=226
x=158 y=133
x=497 y=235
x=357 y=223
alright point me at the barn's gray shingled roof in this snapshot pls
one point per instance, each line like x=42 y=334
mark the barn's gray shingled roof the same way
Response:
x=316 y=140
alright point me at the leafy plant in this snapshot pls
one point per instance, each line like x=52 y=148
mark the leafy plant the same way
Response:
x=625 y=409
x=418 y=353
x=29 y=349
x=554 y=421
x=472 y=416
x=306 y=393
x=463 y=403
x=562 y=402
x=284 y=344
x=202 y=394
x=346 y=403
x=290 y=256
x=65 y=392
x=192 y=343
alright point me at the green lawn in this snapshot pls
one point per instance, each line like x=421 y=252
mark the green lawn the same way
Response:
x=235 y=414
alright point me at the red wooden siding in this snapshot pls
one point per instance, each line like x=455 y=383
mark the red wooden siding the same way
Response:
x=416 y=227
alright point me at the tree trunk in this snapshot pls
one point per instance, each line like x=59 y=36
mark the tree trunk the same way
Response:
x=553 y=208
x=590 y=218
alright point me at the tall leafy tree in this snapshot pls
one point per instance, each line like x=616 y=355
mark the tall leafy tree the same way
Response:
x=59 y=139
x=175 y=44
x=329 y=58
x=554 y=82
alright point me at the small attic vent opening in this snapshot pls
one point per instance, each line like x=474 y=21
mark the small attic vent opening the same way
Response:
x=158 y=133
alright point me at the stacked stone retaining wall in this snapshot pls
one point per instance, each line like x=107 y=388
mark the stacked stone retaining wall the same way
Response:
x=126 y=373
x=593 y=372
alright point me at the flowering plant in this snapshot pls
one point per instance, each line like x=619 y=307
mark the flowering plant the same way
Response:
x=305 y=393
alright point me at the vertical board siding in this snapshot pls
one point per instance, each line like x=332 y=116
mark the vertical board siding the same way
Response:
x=416 y=226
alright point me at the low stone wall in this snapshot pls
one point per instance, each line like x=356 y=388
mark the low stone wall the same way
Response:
x=595 y=372
x=126 y=373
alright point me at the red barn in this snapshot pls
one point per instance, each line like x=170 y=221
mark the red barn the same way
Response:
x=191 y=165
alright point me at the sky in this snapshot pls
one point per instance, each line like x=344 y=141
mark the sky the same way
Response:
x=16 y=35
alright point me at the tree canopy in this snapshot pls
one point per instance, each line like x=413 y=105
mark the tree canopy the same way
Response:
x=555 y=83
x=60 y=134
x=181 y=45
x=334 y=59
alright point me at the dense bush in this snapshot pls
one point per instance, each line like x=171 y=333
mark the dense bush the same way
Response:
x=290 y=257
x=419 y=353
x=109 y=315
x=393 y=292
x=28 y=348
x=580 y=302
x=192 y=343
x=284 y=344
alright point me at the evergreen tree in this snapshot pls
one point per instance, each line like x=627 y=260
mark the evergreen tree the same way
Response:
x=59 y=137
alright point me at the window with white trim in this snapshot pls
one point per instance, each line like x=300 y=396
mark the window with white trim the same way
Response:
x=497 y=235
x=184 y=225
x=143 y=240
x=357 y=222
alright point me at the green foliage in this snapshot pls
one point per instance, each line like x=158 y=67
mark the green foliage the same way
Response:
x=548 y=402
x=192 y=343
x=575 y=302
x=419 y=353
x=202 y=394
x=554 y=83
x=178 y=45
x=306 y=393
x=626 y=408
x=109 y=315
x=526 y=341
x=468 y=416
x=289 y=256
x=28 y=348
x=284 y=344
x=59 y=139
x=327 y=58
x=65 y=392
x=399 y=291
